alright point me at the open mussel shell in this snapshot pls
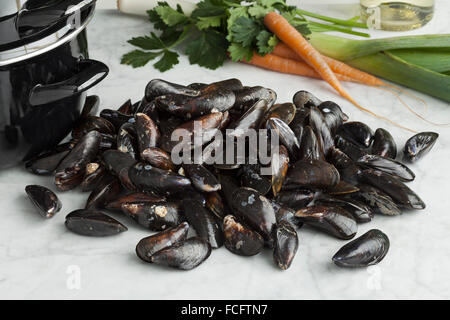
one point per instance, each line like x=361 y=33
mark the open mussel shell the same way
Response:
x=44 y=199
x=158 y=158
x=357 y=132
x=239 y=239
x=333 y=115
x=295 y=199
x=184 y=255
x=279 y=167
x=306 y=99
x=285 y=135
x=367 y=250
x=92 y=123
x=388 y=165
x=284 y=111
x=397 y=190
x=148 y=246
x=46 y=164
x=154 y=216
x=312 y=174
x=147 y=132
x=285 y=245
x=203 y=222
x=309 y=146
x=95 y=172
x=333 y=220
x=322 y=131
x=419 y=145
x=90 y=106
x=360 y=211
x=157 y=87
x=384 y=144
x=248 y=96
x=201 y=178
x=154 y=180
x=70 y=171
x=140 y=198
x=254 y=210
x=376 y=199
x=93 y=223
x=106 y=191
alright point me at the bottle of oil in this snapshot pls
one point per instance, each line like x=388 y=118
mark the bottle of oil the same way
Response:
x=397 y=15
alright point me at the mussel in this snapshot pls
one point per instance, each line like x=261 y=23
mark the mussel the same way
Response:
x=239 y=239
x=93 y=223
x=44 y=199
x=285 y=245
x=419 y=145
x=312 y=174
x=384 y=144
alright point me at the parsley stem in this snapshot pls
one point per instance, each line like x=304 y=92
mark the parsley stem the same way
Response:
x=184 y=34
x=349 y=23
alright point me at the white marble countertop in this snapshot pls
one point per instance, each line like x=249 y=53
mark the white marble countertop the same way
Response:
x=40 y=259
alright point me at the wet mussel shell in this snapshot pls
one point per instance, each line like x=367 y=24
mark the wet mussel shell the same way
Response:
x=115 y=117
x=384 y=144
x=46 y=164
x=376 y=199
x=105 y=192
x=159 y=158
x=367 y=250
x=45 y=200
x=157 y=88
x=295 y=199
x=148 y=246
x=240 y=239
x=322 y=131
x=141 y=198
x=147 y=131
x=284 y=111
x=201 y=178
x=184 y=255
x=333 y=115
x=419 y=145
x=357 y=132
x=250 y=177
x=92 y=123
x=203 y=222
x=306 y=99
x=93 y=223
x=387 y=165
x=279 y=166
x=309 y=146
x=333 y=220
x=95 y=173
x=280 y=130
x=359 y=210
x=285 y=245
x=248 y=96
x=312 y=174
x=254 y=210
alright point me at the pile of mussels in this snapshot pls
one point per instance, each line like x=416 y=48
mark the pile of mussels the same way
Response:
x=331 y=175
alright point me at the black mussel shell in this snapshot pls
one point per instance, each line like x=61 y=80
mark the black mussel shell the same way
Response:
x=159 y=158
x=350 y=148
x=108 y=141
x=201 y=178
x=329 y=219
x=197 y=86
x=285 y=245
x=279 y=167
x=254 y=210
x=154 y=216
x=140 y=198
x=250 y=176
x=339 y=159
x=342 y=188
x=285 y=214
x=147 y=132
x=92 y=123
x=333 y=115
x=239 y=239
x=360 y=211
x=116 y=161
x=305 y=99
x=157 y=87
x=104 y=193
x=419 y=145
x=95 y=172
x=357 y=132
x=90 y=107
x=309 y=146
x=232 y=84
x=384 y=144
x=93 y=223
x=295 y=199
x=322 y=131
x=251 y=119
x=70 y=171
x=285 y=135
x=367 y=250
x=45 y=200
x=184 y=255
x=127 y=140
x=379 y=201
x=203 y=222
x=46 y=164
x=229 y=184
x=148 y=246
x=216 y=205
x=126 y=107
x=284 y=111
x=388 y=165
x=247 y=97
x=312 y=174
x=154 y=180
x=115 y=117
x=397 y=190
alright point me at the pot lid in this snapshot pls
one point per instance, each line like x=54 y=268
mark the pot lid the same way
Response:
x=40 y=24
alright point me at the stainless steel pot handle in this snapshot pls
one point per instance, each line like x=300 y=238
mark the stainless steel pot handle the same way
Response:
x=91 y=73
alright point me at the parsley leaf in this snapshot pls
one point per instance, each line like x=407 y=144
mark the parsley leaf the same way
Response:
x=209 y=8
x=138 y=58
x=270 y=3
x=244 y=31
x=234 y=13
x=147 y=43
x=258 y=11
x=171 y=17
x=240 y=53
x=154 y=17
x=207 y=22
x=266 y=42
x=169 y=59
x=208 y=50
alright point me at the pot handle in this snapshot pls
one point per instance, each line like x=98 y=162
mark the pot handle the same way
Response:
x=91 y=73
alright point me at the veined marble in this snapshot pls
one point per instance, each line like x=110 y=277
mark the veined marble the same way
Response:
x=40 y=259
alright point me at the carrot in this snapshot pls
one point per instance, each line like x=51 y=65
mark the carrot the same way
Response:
x=276 y=63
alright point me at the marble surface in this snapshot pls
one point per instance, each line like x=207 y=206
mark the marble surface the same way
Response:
x=40 y=259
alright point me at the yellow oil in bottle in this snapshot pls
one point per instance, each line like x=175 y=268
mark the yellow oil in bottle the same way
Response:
x=397 y=15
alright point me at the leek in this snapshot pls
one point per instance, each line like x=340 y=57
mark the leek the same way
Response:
x=435 y=59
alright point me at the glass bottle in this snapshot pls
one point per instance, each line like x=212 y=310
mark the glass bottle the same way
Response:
x=397 y=15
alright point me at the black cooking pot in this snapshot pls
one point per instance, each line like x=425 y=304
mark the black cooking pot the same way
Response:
x=44 y=73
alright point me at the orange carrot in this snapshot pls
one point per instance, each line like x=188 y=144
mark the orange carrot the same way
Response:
x=276 y=63
x=282 y=50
